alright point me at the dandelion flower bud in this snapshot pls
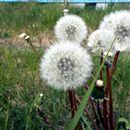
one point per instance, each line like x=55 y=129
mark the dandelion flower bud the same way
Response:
x=119 y=23
x=72 y=28
x=22 y=35
x=41 y=95
x=27 y=37
x=99 y=83
x=65 y=65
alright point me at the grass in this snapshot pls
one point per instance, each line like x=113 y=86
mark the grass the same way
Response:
x=34 y=18
x=20 y=82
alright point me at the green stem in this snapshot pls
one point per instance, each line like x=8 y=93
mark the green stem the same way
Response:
x=34 y=104
x=30 y=43
x=101 y=60
x=65 y=4
x=7 y=117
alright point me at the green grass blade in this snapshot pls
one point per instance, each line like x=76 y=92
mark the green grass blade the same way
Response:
x=87 y=123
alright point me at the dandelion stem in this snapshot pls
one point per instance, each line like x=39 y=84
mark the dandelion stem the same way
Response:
x=109 y=91
x=95 y=114
x=114 y=62
x=101 y=60
x=100 y=114
x=30 y=43
x=105 y=115
x=105 y=102
x=66 y=4
x=111 y=108
x=72 y=100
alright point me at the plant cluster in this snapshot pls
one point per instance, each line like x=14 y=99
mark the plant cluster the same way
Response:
x=67 y=65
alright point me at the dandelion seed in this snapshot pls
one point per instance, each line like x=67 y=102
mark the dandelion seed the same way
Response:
x=119 y=23
x=66 y=65
x=72 y=28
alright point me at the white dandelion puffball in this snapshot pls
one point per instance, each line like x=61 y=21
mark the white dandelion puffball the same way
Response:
x=65 y=66
x=72 y=28
x=119 y=23
x=100 y=39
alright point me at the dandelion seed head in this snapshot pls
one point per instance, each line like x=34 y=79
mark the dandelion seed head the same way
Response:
x=119 y=23
x=72 y=28
x=66 y=65
x=100 y=39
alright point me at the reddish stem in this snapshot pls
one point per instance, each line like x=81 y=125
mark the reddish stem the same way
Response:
x=114 y=63
x=111 y=108
x=96 y=117
x=109 y=91
x=100 y=114
x=105 y=115
x=72 y=100
x=108 y=72
x=105 y=102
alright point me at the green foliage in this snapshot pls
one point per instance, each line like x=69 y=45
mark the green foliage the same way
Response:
x=34 y=18
x=31 y=18
x=20 y=84
x=123 y=124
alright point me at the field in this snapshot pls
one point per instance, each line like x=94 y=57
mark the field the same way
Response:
x=20 y=82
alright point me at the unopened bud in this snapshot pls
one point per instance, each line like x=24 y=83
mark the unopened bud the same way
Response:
x=22 y=35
